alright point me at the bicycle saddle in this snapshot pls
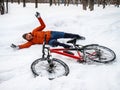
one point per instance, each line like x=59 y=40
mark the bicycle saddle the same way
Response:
x=73 y=41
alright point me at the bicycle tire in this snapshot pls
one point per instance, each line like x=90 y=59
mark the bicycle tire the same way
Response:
x=40 y=68
x=98 y=53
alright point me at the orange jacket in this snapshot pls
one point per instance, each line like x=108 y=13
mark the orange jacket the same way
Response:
x=38 y=35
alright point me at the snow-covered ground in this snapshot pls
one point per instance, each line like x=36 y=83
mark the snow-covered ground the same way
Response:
x=101 y=26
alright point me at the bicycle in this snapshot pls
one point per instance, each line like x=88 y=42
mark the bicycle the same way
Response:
x=49 y=67
x=83 y=54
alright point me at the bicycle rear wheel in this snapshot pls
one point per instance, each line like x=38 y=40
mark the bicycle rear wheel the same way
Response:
x=98 y=53
x=41 y=67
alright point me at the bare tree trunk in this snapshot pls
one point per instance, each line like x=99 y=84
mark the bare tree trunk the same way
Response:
x=36 y=3
x=117 y=3
x=11 y=1
x=71 y=1
x=55 y=2
x=50 y=2
x=104 y=3
x=6 y=6
x=91 y=5
x=80 y=1
x=24 y=3
x=85 y=4
x=76 y=2
x=99 y=2
x=67 y=2
x=58 y=2
x=64 y=2
x=2 y=7
x=18 y=1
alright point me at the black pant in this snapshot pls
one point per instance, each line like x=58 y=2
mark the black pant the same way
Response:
x=53 y=42
x=70 y=35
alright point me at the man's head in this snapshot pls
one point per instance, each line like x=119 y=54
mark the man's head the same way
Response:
x=27 y=36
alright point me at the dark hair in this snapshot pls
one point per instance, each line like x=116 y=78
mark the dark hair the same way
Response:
x=24 y=35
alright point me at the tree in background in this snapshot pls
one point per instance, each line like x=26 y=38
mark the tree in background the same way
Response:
x=36 y=3
x=91 y=5
x=18 y=1
x=6 y=6
x=104 y=3
x=24 y=3
x=66 y=2
x=117 y=3
x=88 y=3
x=2 y=7
x=85 y=4
x=52 y=1
x=11 y=1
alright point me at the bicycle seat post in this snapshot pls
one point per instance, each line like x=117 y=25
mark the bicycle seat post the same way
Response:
x=75 y=46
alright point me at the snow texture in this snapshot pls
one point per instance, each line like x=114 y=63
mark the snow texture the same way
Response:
x=101 y=26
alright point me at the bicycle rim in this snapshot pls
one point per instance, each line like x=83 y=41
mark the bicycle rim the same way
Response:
x=40 y=67
x=99 y=53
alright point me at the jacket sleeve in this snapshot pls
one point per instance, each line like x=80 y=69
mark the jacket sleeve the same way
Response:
x=26 y=45
x=41 y=27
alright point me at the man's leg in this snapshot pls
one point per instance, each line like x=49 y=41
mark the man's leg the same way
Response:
x=55 y=43
x=57 y=35
x=70 y=35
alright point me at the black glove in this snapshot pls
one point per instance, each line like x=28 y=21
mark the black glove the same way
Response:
x=37 y=15
x=14 y=46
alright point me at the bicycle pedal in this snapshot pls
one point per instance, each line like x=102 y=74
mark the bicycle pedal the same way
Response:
x=68 y=52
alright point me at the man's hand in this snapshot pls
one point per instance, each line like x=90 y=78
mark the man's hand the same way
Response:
x=37 y=15
x=14 y=46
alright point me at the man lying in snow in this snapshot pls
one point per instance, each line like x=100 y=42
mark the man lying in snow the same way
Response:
x=37 y=36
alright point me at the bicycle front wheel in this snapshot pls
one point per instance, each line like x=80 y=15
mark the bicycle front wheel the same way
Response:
x=98 y=53
x=41 y=67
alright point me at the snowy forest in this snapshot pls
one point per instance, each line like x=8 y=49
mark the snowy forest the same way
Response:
x=85 y=3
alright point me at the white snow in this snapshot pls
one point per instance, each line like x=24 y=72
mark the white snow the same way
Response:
x=101 y=26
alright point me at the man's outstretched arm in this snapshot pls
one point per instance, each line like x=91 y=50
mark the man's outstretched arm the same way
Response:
x=26 y=45
x=42 y=24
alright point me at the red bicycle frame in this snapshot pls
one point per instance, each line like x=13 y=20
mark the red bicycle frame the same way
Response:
x=60 y=51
